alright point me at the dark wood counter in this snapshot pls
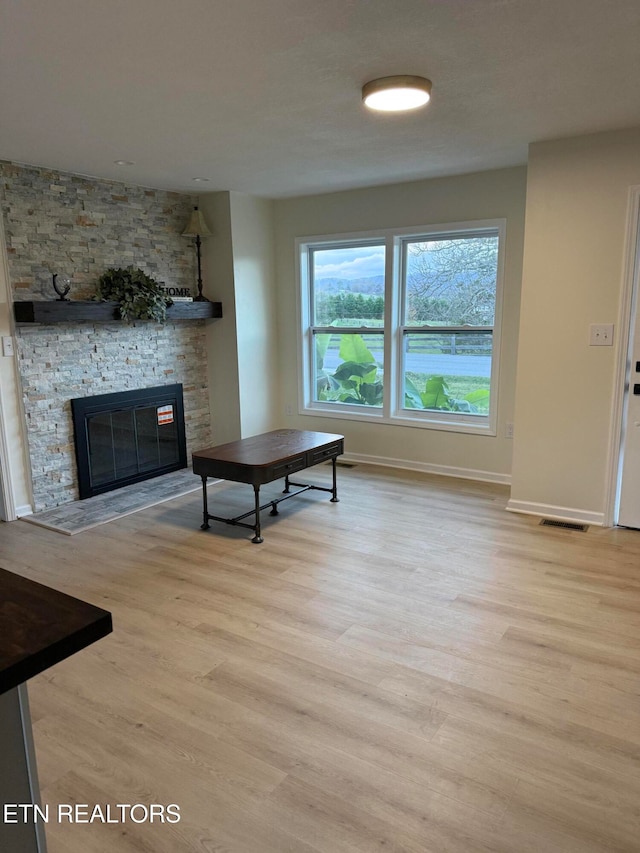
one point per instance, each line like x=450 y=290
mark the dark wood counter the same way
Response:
x=40 y=627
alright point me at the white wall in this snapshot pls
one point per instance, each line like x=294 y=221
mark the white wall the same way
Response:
x=487 y=195
x=238 y=270
x=577 y=196
x=222 y=349
x=256 y=326
x=13 y=458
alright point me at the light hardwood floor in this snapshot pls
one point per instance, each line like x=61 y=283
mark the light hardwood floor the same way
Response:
x=412 y=669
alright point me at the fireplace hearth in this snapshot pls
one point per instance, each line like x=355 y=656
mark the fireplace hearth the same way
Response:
x=127 y=437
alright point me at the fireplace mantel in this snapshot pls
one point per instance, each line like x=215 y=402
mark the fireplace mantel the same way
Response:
x=57 y=311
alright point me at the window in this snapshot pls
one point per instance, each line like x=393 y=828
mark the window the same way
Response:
x=403 y=327
x=347 y=331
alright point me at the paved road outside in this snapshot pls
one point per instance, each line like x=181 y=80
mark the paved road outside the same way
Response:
x=435 y=365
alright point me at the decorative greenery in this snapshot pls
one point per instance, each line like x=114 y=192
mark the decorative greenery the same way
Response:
x=139 y=296
x=356 y=380
x=436 y=395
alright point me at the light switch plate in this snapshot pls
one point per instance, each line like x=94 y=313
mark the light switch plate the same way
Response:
x=7 y=345
x=601 y=335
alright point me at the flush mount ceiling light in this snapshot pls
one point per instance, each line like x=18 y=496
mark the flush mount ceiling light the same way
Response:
x=395 y=94
x=124 y=163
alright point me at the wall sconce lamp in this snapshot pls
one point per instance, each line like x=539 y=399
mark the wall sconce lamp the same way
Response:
x=197 y=227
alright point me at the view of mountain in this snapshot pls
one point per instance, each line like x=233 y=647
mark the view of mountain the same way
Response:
x=373 y=284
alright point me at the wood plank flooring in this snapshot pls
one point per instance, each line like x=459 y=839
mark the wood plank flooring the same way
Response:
x=412 y=670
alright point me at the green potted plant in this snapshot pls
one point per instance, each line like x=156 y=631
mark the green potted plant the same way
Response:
x=139 y=296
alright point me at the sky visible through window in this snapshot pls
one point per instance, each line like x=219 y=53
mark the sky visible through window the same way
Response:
x=348 y=264
x=349 y=285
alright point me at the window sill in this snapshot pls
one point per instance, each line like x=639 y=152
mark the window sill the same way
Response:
x=480 y=425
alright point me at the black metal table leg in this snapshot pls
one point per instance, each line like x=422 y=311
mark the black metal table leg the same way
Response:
x=205 y=508
x=285 y=491
x=335 y=498
x=257 y=539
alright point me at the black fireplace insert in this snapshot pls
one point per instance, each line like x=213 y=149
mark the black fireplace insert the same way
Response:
x=127 y=437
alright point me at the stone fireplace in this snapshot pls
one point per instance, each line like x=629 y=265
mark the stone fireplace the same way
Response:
x=56 y=222
x=60 y=363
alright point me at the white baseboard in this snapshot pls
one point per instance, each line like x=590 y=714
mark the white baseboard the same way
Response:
x=24 y=510
x=557 y=513
x=429 y=468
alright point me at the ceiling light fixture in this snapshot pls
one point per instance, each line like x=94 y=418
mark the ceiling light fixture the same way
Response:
x=395 y=94
x=124 y=163
x=200 y=180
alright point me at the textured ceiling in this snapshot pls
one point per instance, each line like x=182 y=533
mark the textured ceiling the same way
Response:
x=263 y=96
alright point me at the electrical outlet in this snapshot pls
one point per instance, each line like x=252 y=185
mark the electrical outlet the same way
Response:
x=601 y=335
x=508 y=430
x=288 y=410
x=7 y=345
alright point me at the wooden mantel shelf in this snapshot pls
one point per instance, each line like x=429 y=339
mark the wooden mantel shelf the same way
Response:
x=56 y=311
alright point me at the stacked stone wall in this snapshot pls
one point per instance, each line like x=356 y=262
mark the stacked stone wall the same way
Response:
x=78 y=227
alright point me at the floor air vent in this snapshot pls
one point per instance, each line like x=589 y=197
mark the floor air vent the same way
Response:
x=565 y=525
x=344 y=464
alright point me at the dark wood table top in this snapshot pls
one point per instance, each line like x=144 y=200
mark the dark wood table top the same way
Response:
x=261 y=451
x=40 y=626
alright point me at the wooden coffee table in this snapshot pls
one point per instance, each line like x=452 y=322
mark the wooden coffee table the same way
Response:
x=262 y=459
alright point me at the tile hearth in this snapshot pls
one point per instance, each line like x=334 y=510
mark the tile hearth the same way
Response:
x=72 y=518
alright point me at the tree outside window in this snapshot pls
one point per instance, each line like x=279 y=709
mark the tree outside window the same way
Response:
x=449 y=311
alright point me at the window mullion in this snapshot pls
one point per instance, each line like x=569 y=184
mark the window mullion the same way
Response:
x=448 y=330
x=345 y=330
x=392 y=354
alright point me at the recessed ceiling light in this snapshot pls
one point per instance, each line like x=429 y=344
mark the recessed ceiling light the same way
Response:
x=398 y=93
x=200 y=180
x=124 y=163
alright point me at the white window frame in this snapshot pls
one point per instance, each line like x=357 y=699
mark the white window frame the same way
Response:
x=392 y=411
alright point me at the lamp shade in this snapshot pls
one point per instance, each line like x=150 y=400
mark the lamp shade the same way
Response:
x=197 y=225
